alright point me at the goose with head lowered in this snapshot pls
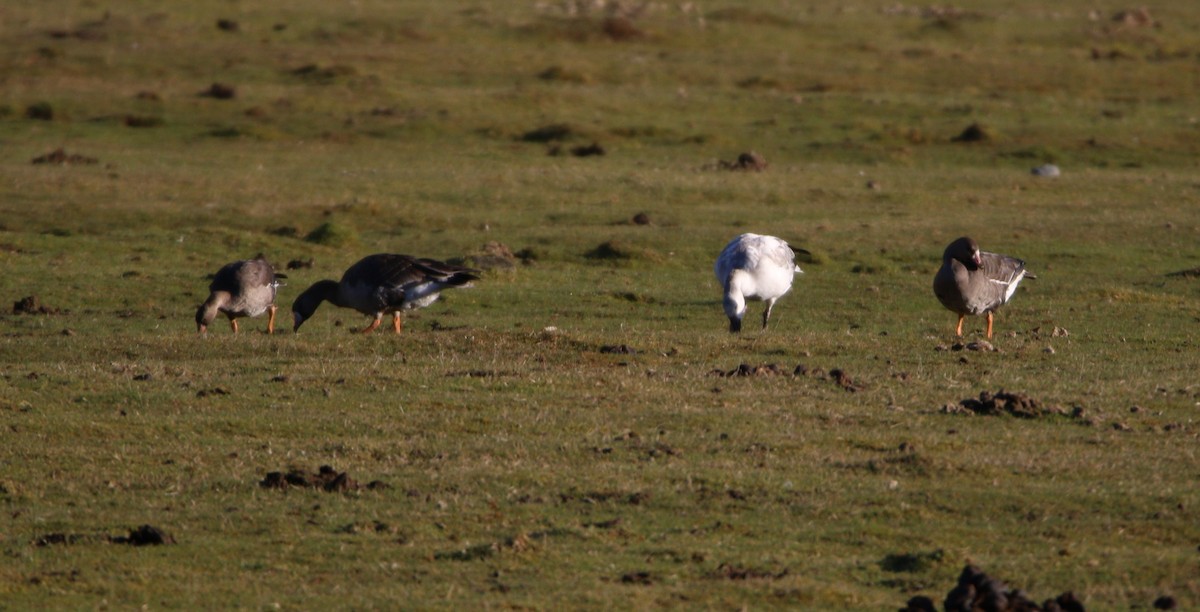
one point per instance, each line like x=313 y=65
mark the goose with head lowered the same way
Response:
x=381 y=284
x=974 y=282
x=244 y=288
x=755 y=267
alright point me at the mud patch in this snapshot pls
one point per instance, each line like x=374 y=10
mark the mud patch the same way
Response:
x=978 y=591
x=299 y=264
x=31 y=305
x=325 y=479
x=60 y=157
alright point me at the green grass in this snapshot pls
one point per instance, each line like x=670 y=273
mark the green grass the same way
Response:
x=527 y=467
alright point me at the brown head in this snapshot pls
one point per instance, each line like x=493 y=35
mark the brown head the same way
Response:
x=966 y=251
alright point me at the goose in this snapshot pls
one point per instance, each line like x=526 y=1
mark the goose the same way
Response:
x=244 y=288
x=383 y=283
x=755 y=267
x=974 y=282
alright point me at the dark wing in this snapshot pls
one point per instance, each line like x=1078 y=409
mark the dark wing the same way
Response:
x=385 y=270
x=446 y=273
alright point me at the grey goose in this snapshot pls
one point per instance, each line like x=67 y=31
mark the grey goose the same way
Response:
x=244 y=288
x=974 y=282
x=381 y=284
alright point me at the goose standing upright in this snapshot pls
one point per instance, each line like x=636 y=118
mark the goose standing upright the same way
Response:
x=974 y=282
x=755 y=267
x=244 y=288
x=383 y=283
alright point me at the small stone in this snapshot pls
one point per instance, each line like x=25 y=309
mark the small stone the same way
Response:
x=1047 y=171
x=1049 y=349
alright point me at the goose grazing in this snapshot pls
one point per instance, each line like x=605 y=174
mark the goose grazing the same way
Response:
x=383 y=283
x=755 y=267
x=974 y=282
x=243 y=288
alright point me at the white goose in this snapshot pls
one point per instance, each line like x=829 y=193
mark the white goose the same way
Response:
x=755 y=267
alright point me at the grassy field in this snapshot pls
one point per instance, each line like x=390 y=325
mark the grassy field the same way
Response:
x=566 y=434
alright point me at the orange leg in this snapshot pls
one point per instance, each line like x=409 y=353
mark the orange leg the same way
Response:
x=370 y=328
x=958 y=331
x=989 y=333
x=233 y=324
x=271 y=320
x=396 y=323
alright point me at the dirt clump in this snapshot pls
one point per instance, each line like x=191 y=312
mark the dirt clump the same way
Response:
x=843 y=380
x=549 y=133
x=588 y=150
x=220 y=91
x=978 y=591
x=618 y=349
x=51 y=539
x=975 y=132
x=746 y=369
x=726 y=571
x=1189 y=273
x=1003 y=402
x=326 y=479
x=31 y=305
x=145 y=535
x=59 y=157
x=1166 y=602
x=297 y=264
x=642 y=578
x=749 y=161
x=1135 y=18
